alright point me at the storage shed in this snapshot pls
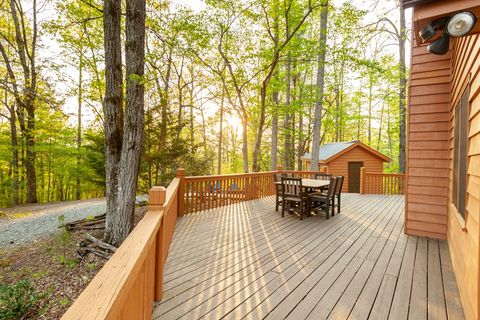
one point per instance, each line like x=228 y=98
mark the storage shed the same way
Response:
x=346 y=159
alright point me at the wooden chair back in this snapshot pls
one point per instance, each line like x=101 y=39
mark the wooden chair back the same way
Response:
x=339 y=185
x=278 y=186
x=332 y=187
x=322 y=176
x=291 y=187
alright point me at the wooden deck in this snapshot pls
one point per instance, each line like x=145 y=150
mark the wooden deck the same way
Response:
x=244 y=261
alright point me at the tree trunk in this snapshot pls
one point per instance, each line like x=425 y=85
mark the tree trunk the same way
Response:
x=337 y=113
x=402 y=91
x=359 y=115
x=274 y=146
x=370 y=101
x=245 y=143
x=79 y=127
x=113 y=120
x=288 y=95
x=317 y=118
x=30 y=154
x=14 y=143
x=301 y=139
x=380 y=128
x=220 y=135
x=275 y=100
x=134 y=117
x=121 y=222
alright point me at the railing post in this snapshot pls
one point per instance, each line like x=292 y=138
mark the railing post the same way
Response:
x=362 y=180
x=156 y=200
x=181 y=191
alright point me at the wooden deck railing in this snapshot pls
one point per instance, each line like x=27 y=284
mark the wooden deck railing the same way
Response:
x=209 y=192
x=129 y=283
x=381 y=183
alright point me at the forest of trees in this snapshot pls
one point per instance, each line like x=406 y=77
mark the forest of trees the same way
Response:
x=233 y=87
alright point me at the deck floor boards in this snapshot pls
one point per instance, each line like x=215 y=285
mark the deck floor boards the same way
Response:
x=244 y=261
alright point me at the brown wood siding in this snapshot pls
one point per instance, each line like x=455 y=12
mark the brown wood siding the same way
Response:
x=339 y=166
x=427 y=144
x=463 y=234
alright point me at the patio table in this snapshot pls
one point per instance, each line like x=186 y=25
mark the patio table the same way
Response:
x=312 y=183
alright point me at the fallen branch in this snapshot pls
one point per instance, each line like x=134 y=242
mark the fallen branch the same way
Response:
x=86 y=224
x=86 y=228
x=100 y=243
x=97 y=252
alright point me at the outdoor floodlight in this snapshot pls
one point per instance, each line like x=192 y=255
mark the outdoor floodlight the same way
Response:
x=427 y=33
x=431 y=29
x=440 y=46
x=460 y=24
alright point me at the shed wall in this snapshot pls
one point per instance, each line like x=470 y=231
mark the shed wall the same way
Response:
x=339 y=166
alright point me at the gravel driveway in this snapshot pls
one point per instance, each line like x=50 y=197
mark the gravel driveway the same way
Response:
x=43 y=219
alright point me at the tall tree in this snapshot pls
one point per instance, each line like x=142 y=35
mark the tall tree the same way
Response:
x=317 y=117
x=79 y=126
x=12 y=119
x=23 y=83
x=402 y=89
x=277 y=48
x=400 y=36
x=123 y=137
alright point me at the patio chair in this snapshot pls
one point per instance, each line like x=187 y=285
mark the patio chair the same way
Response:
x=278 y=190
x=293 y=197
x=322 y=176
x=288 y=175
x=324 y=202
x=338 y=193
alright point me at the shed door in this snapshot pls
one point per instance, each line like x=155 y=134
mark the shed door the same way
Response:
x=354 y=176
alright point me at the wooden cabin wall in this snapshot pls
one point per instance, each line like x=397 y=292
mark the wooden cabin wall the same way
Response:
x=463 y=234
x=426 y=199
x=339 y=166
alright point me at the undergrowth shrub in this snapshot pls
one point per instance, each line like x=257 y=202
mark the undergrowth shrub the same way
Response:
x=17 y=300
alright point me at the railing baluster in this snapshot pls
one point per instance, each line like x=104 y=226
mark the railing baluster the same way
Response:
x=384 y=183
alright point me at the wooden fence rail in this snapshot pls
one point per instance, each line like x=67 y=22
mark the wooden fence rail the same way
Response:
x=129 y=283
x=209 y=192
x=382 y=183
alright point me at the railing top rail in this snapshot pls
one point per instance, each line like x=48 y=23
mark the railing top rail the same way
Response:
x=249 y=174
x=232 y=175
x=385 y=174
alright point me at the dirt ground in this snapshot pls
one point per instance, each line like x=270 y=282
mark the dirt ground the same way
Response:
x=53 y=266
